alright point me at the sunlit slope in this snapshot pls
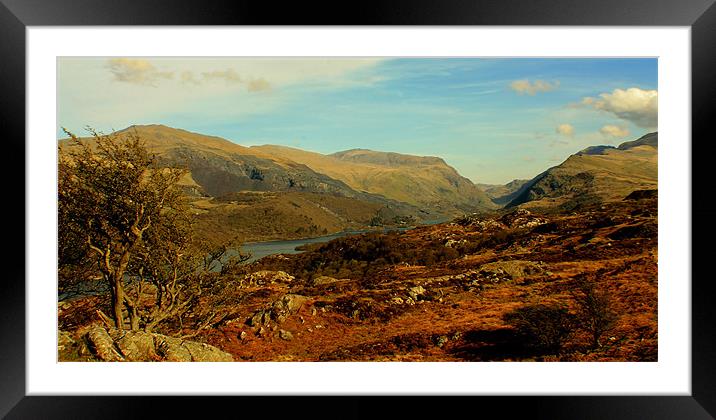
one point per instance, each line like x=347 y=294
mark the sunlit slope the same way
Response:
x=421 y=181
x=599 y=173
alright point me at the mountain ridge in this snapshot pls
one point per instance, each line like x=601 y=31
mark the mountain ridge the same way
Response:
x=596 y=173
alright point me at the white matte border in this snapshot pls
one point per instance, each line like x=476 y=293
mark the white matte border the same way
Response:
x=669 y=376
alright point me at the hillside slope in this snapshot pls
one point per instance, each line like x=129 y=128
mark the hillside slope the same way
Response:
x=239 y=191
x=595 y=174
x=502 y=194
x=427 y=182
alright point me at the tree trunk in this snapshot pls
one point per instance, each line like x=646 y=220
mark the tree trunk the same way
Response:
x=118 y=301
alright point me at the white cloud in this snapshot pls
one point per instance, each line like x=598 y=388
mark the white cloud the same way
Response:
x=635 y=105
x=188 y=78
x=565 y=130
x=614 y=131
x=525 y=86
x=107 y=92
x=136 y=71
x=228 y=76
x=258 y=85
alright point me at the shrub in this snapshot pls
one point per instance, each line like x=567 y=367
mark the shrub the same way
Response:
x=546 y=327
x=595 y=314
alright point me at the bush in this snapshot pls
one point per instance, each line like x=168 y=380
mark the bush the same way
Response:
x=546 y=327
x=595 y=314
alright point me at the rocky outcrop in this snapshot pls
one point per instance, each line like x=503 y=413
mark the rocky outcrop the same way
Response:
x=264 y=277
x=138 y=346
x=278 y=311
x=510 y=269
x=323 y=280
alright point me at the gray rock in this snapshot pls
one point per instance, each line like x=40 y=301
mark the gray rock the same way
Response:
x=263 y=277
x=103 y=345
x=171 y=349
x=441 y=340
x=201 y=352
x=64 y=340
x=416 y=291
x=323 y=280
x=136 y=346
x=140 y=346
x=278 y=311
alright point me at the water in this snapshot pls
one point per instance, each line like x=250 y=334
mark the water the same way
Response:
x=259 y=250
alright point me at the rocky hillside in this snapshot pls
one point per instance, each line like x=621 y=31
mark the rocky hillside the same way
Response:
x=443 y=292
x=219 y=166
x=379 y=187
x=595 y=174
x=424 y=181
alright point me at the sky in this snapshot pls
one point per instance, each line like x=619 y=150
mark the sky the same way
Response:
x=493 y=119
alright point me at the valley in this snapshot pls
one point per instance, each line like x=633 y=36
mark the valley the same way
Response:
x=409 y=261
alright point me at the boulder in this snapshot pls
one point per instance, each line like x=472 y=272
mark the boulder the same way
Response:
x=202 y=352
x=171 y=350
x=136 y=346
x=139 y=346
x=260 y=278
x=415 y=292
x=285 y=335
x=64 y=340
x=103 y=345
x=322 y=280
x=278 y=311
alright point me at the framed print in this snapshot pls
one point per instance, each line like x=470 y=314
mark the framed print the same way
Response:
x=413 y=201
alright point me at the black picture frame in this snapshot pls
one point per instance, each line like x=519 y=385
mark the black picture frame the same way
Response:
x=699 y=15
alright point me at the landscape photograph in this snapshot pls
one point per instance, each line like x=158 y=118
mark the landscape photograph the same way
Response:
x=357 y=209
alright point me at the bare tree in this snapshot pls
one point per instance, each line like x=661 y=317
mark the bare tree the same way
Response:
x=111 y=195
x=595 y=313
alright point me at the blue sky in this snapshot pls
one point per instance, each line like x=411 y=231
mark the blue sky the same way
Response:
x=493 y=119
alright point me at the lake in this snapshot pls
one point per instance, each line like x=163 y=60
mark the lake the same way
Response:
x=259 y=250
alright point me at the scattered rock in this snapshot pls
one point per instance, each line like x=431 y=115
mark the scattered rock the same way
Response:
x=441 y=340
x=243 y=335
x=260 y=278
x=396 y=301
x=64 y=340
x=323 y=280
x=510 y=269
x=415 y=292
x=285 y=335
x=278 y=311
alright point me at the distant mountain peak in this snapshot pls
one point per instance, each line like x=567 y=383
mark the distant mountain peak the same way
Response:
x=650 y=139
x=392 y=159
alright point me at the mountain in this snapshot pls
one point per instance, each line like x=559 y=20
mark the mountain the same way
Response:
x=502 y=194
x=424 y=181
x=280 y=193
x=595 y=174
